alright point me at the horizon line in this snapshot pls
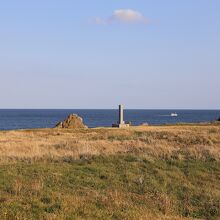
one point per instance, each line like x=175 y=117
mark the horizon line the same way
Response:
x=216 y=109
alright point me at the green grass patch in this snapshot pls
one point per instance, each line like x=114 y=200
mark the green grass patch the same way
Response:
x=110 y=187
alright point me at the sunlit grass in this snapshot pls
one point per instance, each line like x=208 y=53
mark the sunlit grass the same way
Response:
x=163 y=172
x=107 y=187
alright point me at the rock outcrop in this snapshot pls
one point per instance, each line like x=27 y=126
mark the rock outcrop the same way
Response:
x=72 y=122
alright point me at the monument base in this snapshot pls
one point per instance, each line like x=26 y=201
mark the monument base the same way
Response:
x=120 y=125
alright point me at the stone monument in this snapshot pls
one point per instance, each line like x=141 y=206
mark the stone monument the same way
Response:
x=121 y=123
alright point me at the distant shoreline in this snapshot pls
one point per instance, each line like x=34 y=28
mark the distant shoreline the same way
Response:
x=212 y=123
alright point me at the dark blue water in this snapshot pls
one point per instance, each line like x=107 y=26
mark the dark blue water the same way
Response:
x=23 y=119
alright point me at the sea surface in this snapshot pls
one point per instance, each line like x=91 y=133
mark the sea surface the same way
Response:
x=24 y=119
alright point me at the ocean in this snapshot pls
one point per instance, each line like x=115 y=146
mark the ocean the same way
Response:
x=11 y=119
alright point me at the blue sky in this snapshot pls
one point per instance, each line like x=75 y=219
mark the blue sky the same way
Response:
x=97 y=54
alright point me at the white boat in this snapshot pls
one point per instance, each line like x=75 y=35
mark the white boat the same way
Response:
x=174 y=114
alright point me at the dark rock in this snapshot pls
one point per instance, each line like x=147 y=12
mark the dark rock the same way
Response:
x=72 y=122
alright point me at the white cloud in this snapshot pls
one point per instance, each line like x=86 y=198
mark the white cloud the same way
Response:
x=123 y=16
x=127 y=16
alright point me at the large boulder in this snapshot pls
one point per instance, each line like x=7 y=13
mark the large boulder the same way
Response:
x=72 y=122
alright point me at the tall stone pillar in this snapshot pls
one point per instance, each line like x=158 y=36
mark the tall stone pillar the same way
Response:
x=121 y=115
x=121 y=123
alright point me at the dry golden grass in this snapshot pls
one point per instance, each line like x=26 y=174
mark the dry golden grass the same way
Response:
x=151 y=172
x=178 y=142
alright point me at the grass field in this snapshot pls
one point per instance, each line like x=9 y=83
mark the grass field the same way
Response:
x=164 y=172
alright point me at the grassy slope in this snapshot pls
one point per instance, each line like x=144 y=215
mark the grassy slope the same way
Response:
x=110 y=187
x=131 y=184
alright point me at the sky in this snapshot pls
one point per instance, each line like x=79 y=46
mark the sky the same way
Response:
x=145 y=54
